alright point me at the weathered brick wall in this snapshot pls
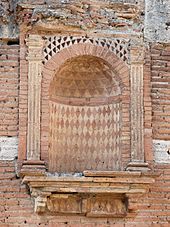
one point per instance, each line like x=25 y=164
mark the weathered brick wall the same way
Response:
x=9 y=90
x=23 y=102
x=147 y=108
x=9 y=85
x=16 y=206
x=160 y=65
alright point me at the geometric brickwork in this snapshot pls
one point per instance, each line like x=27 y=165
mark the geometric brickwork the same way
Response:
x=54 y=44
x=84 y=137
x=84 y=76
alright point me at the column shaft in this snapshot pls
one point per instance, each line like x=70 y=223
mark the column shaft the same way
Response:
x=35 y=45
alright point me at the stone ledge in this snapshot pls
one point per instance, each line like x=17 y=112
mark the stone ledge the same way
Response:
x=92 y=196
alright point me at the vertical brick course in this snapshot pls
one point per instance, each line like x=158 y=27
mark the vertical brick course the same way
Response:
x=147 y=108
x=23 y=95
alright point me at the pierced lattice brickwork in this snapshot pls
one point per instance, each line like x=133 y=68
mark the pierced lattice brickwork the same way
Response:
x=120 y=47
x=84 y=137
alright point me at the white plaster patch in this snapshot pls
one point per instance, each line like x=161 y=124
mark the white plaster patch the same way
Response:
x=161 y=151
x=8 y=148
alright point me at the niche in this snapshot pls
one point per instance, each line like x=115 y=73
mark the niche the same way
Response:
x=85 y=117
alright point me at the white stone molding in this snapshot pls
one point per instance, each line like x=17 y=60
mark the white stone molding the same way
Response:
x=35 y=46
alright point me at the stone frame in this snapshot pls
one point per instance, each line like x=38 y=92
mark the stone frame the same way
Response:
x=35 y=45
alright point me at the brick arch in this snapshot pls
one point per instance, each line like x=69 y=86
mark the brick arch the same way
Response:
x=120 y=67
x=51 y=67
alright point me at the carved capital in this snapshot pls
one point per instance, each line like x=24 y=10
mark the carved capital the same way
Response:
x=137 y=55
x=137 y=51
x=35 y=47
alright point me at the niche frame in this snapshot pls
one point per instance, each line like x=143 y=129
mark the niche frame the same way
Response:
x=133 y=179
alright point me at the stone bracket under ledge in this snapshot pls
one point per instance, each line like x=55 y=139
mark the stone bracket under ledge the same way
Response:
x=96 y=194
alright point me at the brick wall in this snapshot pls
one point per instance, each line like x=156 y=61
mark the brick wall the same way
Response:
x=9 y=79
x=23 y=96
x=16 y=206
x=9 y=90
x=160 y=66
x=147 y=108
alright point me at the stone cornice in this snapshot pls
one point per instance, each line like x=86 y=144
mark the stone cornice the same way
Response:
x=99 y=194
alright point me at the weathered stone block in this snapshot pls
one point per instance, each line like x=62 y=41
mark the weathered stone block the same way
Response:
x=8 y=148
x=161 y=151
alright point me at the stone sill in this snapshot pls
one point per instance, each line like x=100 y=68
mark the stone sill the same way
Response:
x=96 y=194
x=117 y=182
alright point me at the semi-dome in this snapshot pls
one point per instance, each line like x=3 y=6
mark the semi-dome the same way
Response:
x=84 y=76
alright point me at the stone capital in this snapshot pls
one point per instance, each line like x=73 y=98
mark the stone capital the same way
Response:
x=137 y=55
x=35 y=47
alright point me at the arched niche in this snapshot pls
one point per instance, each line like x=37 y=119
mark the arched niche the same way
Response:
x=120 y=94
x=85 y=116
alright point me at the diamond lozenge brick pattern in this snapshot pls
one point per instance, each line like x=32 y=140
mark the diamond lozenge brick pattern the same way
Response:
x=84 y=137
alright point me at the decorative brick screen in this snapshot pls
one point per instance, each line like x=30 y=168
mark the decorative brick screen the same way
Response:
x=55 y=44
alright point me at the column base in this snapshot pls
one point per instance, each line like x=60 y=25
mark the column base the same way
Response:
x=33 y=168
x=138 y=166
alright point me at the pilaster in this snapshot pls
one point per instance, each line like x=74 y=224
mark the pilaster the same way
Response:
x=35 y=45
x=137 y=109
